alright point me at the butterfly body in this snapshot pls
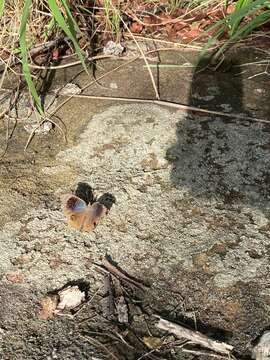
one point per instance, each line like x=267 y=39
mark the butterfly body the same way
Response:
x=85 y=217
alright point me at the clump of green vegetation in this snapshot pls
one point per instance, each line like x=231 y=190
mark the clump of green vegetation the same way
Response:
x=21 y=25
x=174 y=5
x=112 y=19
x=247 y=16
x=26 y=24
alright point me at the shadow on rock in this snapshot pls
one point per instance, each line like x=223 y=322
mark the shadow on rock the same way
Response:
x=217 y=158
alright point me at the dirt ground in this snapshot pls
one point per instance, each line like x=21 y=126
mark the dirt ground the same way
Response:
x=191 y=217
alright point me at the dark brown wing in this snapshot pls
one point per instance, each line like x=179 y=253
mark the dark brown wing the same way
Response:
x=85 y=192
x=107 y=200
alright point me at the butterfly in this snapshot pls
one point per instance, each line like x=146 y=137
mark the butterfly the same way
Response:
x=83 y=210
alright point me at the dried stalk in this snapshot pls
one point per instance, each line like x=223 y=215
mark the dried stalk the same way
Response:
x=109 y=308
x=143 y=56
x=194 y=336
x=206 y=353
x=110 y=268
x=175 y=106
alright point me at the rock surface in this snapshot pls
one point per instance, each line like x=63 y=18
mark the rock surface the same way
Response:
x=191 y=219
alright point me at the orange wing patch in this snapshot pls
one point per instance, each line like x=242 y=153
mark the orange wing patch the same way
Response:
x=85 y=217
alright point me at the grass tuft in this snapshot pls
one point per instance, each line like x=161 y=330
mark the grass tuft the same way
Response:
x=247 y=16
x=27 y=24
x=174 y=5
x=2 y=6
x=70 y=26
x=24 y=55
x=112 y=19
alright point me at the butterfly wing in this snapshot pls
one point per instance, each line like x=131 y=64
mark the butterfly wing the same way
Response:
x=85 y=192
x=107 y=200
x=75 y=209
x=82 y=216
x=93 y=216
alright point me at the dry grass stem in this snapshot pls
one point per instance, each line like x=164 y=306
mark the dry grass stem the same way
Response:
x=176 y=106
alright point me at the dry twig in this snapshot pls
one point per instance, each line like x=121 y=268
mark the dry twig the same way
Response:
x=175 y=106
x=143 y=56
x=205 y=353
x=119 y=274
x=107 y=267
x=109 y=307
x=194 y=336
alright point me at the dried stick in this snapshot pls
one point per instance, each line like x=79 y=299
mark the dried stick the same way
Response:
x=175 y=106
x=38 y=49
x=89 y=84
x=46 y=46
x=74 y=63
x=30 y=137
x=162 y=23
x=143 y=55
x=106 y=74
x=161 y=41
x=194 y=336
x=109 y=312
x=205 y=353
x=119 y=274
x=87 y=303
x=147 y=354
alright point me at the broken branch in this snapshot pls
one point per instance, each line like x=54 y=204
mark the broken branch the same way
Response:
x=118 y=273
x=194 y=336
x=109 y=307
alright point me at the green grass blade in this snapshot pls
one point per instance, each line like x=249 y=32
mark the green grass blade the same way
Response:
x=71 y=21
x=251 y=25
x=49 y=28
x=242 y=3
x=246 y=29
x=244 y=8
x=66 y=28
x=2 y=5
x=24 y=55
x=232 y=23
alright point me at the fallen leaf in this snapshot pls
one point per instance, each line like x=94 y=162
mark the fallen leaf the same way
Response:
x=55 y=55
x=48 y=304
x=180 y=25
x=171 y=33
x=150 y=20
x=230 y=9
x=153 y=342
x=136 y=27
x=70 y=298
x=190 y=35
